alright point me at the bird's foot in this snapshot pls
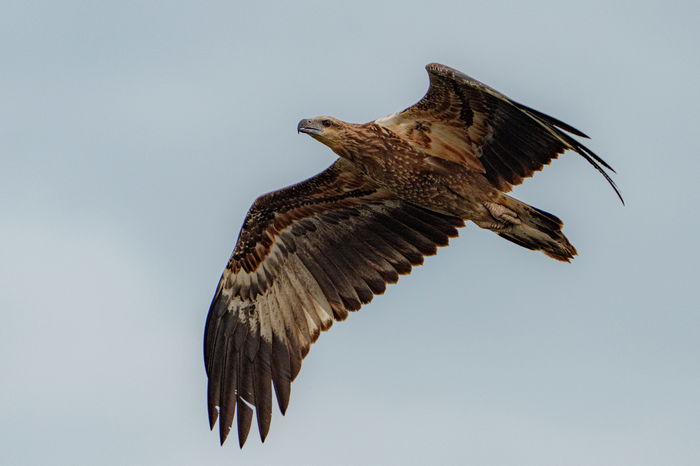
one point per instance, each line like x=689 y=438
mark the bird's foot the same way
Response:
x=502 y=214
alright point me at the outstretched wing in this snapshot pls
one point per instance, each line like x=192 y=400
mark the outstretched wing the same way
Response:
x=306 y=256
x=463 y=120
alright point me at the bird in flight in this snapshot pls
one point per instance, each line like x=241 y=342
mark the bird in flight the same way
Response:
x=309 y=254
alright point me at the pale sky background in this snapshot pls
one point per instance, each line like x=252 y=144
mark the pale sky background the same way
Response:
x=135 y=135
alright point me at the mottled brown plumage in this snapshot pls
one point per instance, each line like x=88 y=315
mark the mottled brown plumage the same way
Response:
x=310 y=253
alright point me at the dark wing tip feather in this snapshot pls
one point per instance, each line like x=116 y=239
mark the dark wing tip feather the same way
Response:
x=591 y=157
x=557 y=126
x=263 y=395
x=552 y=121
x=578 y=147
x=282 y=393
x=594 y=160
x=245 y=417
x=225 y=423
x=213 y=414
x=605 y=175
x=222 y=435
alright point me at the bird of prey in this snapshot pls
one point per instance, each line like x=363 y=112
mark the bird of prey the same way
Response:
x=309 y=254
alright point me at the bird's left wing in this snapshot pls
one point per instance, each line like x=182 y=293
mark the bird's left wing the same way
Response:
x=306 y=255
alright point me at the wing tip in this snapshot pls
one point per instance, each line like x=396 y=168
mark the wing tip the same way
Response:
x=592 y=158
x=558 y=127
x=444 y=70
x=223 y=433
x=213 y=416
x=550 y=120
x=245 y=417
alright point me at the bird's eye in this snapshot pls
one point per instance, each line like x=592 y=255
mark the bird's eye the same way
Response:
x=326 y=123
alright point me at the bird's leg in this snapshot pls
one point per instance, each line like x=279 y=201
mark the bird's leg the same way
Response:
x=502 y=217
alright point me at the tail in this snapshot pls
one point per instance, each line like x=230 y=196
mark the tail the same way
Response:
x=532 y=229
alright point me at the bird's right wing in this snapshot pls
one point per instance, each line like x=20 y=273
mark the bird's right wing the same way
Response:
x=306 y=256
x=467 y=122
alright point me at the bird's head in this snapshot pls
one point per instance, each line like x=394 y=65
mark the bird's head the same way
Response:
x=328 y=130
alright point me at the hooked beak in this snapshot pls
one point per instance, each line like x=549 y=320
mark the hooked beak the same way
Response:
x=309 y=127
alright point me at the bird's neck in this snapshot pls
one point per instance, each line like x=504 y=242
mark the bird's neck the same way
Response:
x=359 y=142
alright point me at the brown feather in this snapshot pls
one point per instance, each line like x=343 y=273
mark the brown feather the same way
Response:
x=307 y=253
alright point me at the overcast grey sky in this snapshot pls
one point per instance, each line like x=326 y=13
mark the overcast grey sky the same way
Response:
x=135 y=135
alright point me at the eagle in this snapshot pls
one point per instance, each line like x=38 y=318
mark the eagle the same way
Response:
x=309 y=254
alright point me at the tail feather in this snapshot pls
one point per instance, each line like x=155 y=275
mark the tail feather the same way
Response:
x=538 y=230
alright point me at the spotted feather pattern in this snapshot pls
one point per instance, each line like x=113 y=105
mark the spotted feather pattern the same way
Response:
x=307 y=255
